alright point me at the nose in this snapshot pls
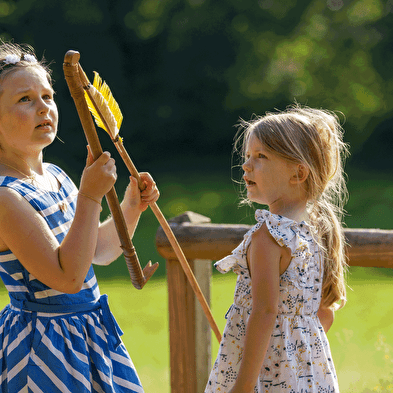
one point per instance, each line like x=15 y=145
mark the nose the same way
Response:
x=43 y=107
x=246 y=166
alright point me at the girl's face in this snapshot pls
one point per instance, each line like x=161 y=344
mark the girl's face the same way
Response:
x=267 y=176
x=28 y=113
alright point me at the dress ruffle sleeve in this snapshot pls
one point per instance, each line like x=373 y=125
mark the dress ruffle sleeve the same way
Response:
x=233 y=261
x=287 y=233
x=298 y=237
x=237 y=261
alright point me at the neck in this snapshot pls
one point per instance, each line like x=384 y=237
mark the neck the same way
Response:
x=26 y=164
x=295 y=210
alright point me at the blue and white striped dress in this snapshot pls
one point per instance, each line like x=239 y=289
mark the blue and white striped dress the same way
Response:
x=52 y=341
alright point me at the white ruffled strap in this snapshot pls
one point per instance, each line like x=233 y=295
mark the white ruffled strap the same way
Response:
x=226 y=264
x=236 y=259
x=287 y=233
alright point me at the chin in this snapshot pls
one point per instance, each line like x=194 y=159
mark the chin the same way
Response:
x=39 y=147
x=48 y=138
x=252 y=197
x=257 y=200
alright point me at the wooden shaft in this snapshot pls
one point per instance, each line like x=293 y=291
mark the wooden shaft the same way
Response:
x=138 y=277
x=129 y=164
x=174 y=243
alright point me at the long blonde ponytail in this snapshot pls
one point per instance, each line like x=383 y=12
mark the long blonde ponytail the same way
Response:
x=324 y=218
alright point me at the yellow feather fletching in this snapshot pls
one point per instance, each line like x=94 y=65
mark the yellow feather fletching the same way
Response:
x=104 y=107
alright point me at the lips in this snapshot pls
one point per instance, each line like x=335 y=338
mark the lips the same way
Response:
x=248 y=181
x=45 y=124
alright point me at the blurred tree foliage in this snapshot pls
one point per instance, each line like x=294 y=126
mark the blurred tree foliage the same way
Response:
x=184 y=71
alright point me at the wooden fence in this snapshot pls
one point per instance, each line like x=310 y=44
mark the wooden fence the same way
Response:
x=203 y=242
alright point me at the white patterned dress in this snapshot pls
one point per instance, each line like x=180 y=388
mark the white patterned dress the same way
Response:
x=298 y=359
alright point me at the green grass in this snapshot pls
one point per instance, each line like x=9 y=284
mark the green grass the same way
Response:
x=361 y=337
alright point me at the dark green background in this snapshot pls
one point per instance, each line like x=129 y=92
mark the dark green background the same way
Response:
x=183 y=72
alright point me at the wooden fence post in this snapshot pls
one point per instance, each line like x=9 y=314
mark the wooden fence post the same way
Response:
x=189 y=330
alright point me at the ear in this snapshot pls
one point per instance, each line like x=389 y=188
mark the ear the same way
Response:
x=300 y=175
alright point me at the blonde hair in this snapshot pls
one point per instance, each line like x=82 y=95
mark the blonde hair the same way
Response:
x=314 y=138
x=10 y=48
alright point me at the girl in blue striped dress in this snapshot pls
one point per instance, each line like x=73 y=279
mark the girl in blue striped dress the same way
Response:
x=57 y=334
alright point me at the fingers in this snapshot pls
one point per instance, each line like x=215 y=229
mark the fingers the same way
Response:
x=150 y=198
x=133 y=187
x=89 y=158
x=150 y=194
x=104 y=160
x=98 y=176
x=108 y=164
x=147 y=180
x=143 y=198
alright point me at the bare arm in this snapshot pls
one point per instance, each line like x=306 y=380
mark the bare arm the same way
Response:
x=326 y=316
x=134 y=203
x=61 y=267
x=264 y=257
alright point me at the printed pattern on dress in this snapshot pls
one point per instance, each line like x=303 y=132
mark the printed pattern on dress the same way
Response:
x=298 y=359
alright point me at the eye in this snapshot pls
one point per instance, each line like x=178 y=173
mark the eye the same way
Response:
x=24 y=99
x=260 y=155
x=47 y=97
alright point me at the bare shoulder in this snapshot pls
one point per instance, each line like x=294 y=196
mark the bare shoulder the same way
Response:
x=8 y=198
x=11 y=200
x=263 y=248
x=262 y=238
x=263 y=257
x=15 y=212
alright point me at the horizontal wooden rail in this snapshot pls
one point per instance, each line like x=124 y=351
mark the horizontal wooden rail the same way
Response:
x=370 y=247
x=366 y=247
x=203 y=242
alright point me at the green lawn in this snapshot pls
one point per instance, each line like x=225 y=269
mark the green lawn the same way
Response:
x=361 y=337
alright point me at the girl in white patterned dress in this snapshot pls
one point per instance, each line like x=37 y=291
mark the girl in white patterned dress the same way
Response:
x=290 y=265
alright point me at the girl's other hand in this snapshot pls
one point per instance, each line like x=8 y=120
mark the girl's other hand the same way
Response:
x=326 y=317
x=136 y=199
x=99 y=176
